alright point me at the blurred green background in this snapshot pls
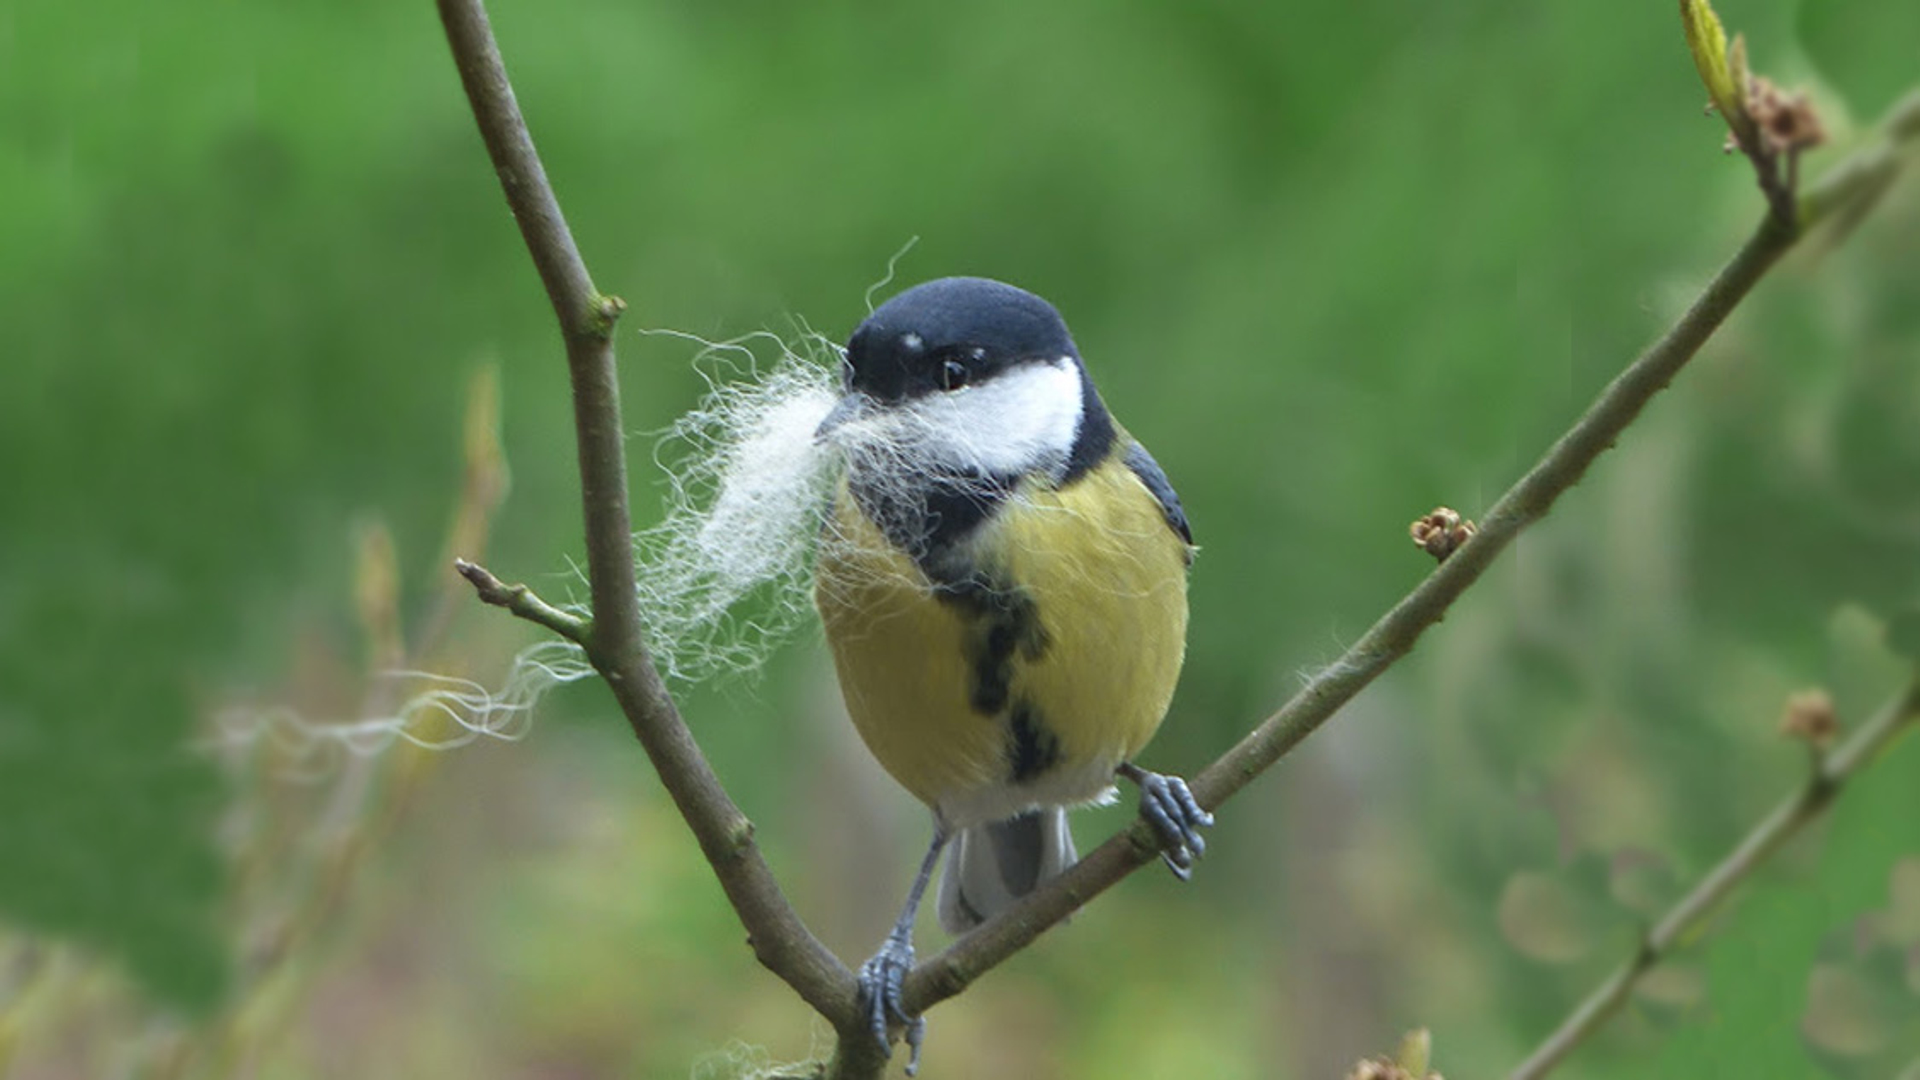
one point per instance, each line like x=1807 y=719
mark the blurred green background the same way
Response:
x=1334 y=263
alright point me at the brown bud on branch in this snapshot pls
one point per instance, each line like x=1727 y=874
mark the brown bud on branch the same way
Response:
x=1441 y=532
x=1810 y=717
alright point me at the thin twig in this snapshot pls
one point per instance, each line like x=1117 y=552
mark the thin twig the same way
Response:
x=779 y=939
x=1830 y=774
x=524 y=602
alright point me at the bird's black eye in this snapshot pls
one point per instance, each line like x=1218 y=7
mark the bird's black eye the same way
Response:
x=960 y=365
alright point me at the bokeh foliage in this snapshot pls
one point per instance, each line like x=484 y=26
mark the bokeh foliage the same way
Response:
x=1335 y=264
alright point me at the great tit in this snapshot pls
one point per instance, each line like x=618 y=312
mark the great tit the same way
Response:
x=1003 y=583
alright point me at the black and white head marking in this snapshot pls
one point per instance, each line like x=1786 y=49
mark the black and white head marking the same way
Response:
x=954 y=391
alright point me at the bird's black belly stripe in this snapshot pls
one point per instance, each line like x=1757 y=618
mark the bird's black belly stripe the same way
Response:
x=1032 y=749
x=1003 y=624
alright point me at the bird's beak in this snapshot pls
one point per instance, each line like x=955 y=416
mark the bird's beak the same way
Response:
x=849 y=408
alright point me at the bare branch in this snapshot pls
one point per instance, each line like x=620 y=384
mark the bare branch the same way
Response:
x=1829 y=776
x=522 y=601
x=613 y=641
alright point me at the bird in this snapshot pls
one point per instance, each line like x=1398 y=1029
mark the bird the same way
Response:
x=1002 y=581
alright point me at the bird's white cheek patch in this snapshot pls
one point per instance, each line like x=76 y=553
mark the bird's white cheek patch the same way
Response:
x=1021 y=419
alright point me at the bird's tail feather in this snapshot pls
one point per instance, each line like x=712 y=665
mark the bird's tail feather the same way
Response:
x=990 y=866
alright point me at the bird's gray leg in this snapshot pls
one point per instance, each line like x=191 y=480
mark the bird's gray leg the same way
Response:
x=1175 y=815
x=882 y=977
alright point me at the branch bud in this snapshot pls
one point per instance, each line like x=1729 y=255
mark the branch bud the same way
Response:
x=1441 y=532
x=1810 y=718
x=1786 y=122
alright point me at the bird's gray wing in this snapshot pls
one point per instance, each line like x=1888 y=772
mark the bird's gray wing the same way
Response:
x=1150 y=474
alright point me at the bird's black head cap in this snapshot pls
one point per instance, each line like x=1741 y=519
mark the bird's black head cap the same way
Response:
x=950 y=332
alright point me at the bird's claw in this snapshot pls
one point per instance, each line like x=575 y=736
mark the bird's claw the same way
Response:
x=1169 y=806
x=882 y=979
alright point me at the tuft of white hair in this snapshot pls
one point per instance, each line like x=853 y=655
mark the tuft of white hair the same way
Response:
x=728 y=572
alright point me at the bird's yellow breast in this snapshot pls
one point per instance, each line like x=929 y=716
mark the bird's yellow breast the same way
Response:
x=1040 y=686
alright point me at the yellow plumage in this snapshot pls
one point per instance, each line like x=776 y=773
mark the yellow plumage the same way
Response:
x=1106 y=580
